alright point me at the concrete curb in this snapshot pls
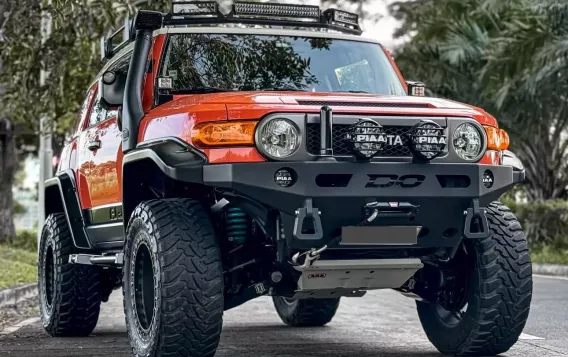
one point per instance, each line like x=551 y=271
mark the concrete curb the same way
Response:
x=550 y=269
x=13 y=296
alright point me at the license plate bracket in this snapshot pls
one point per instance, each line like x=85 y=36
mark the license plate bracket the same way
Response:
x=379 y=235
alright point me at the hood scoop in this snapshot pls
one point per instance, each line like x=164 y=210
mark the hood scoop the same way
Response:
x=362 y=104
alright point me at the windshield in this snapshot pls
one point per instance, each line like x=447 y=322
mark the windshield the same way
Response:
x=234 y=62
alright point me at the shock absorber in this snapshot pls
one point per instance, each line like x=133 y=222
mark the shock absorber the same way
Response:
x=238 y=225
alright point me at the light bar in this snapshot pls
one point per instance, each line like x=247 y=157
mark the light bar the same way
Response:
x=251 y=9
x=195 y=8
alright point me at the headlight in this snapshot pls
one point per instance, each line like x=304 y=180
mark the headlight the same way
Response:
x=278 y=138
x=468 y=142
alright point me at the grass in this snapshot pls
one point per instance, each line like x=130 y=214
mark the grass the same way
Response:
x=549 y=255
x=17 y=267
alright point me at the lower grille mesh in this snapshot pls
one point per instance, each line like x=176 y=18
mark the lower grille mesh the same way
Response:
x=342 y=148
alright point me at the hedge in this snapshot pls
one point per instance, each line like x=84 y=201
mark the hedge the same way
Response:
x=545 y=222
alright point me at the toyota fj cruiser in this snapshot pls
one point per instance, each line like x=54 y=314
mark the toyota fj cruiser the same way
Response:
x=274 y=151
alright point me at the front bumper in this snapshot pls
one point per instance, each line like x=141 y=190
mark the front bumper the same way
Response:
x=339 y=190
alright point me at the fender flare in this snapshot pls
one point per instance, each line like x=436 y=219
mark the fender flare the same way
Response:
x=153 y=160
x=61 y=196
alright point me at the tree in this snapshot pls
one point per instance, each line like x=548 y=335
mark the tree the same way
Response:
x=7 y=150
x=71 y=54
x=509 y=57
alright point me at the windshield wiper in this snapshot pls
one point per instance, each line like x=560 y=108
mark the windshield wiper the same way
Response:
x=352 y=91
x=283 y=89
x=201 y=90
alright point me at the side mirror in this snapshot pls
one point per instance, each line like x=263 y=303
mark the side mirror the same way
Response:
x=416 y=89
x=111 y=88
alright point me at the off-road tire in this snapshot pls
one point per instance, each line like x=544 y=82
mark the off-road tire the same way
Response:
x=499 y=295
x=187 y=280
x=306 y=312
x=70 y=294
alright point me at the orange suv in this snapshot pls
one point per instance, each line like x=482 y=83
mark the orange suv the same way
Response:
x=272 y=150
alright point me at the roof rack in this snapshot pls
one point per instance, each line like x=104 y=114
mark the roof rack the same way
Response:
x=247 y=13
x=109 y=47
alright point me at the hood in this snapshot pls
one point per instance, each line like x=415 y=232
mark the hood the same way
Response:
x=252 y=105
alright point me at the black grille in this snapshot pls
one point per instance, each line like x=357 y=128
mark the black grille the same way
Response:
x=367 y=104
x=342 y=148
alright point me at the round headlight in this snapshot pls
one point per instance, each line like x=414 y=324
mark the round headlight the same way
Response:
x=278 y=138
x=468 y=142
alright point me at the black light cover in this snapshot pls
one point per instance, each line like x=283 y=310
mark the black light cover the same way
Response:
x=367 y=138
x=427 y=140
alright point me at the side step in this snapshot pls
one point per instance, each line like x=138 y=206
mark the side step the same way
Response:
x=115 y=260
x=335 y=278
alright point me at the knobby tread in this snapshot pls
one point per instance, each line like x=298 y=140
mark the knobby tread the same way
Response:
x=501 y=295
x=77 y=298
x=306 y=312
x=190 y=285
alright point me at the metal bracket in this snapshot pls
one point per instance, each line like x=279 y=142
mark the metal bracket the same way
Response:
x=471 y=214
x=116 y=260
x=308 y=212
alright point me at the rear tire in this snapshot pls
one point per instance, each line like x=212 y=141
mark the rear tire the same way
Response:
x=69 y=294
x=497 y=297
x=305 y=312
x=173 y=280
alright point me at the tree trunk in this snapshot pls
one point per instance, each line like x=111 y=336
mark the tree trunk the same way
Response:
x=7 y=171
x=8 y=162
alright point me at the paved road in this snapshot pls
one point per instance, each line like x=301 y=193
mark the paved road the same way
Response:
x=380 y=324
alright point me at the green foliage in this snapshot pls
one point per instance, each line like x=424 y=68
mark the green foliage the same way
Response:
x=508 y=57
x=24 y=239
x=549 y=255
x=17 y=267
x=545 y=223
x=71 y=55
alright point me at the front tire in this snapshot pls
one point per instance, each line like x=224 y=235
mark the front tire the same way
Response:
x=305 y=312
x=173 y=280
x=69 y=294
x=496 y=295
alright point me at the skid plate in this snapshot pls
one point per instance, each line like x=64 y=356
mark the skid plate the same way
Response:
x=334 y=278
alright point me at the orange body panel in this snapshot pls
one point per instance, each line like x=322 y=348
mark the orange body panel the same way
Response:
x=99 y=172
x=106 y=165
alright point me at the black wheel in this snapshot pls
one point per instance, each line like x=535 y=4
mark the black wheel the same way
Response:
x=305 y=312
x=173 y=280
x=69 y=294
x=484 y=303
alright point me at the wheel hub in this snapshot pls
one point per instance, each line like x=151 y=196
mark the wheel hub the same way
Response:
x=49 y=276
x=144 y=287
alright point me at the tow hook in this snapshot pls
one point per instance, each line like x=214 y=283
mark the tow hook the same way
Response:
x=310 y=257
x=308 y=212
x=475 y=214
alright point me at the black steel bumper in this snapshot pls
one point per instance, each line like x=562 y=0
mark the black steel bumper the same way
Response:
x=438 y=194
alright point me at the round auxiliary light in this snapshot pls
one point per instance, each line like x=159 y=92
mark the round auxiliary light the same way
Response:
x=278 y=138
x=468 y=142
x=367 y=138
x=427 y=140
x=488 y=179
x=285 y=177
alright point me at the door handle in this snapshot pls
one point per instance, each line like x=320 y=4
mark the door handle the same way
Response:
x=94 y=145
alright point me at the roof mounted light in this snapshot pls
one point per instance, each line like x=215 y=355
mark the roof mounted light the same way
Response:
x=253 y=9
x=342 y=18
x=195 y=8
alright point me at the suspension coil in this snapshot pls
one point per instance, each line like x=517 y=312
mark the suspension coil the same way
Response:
x=238 y=225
